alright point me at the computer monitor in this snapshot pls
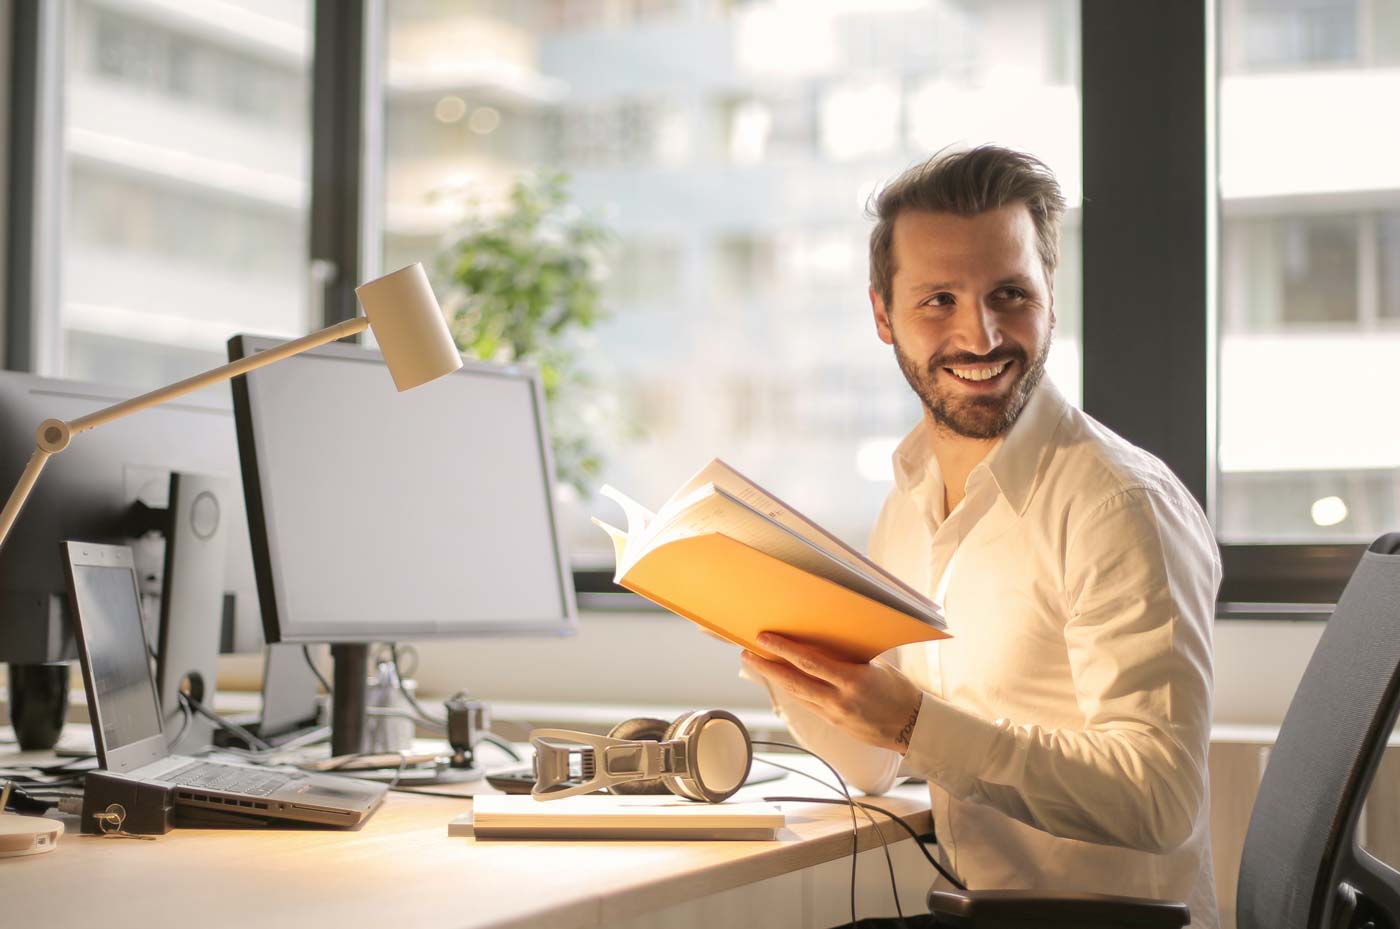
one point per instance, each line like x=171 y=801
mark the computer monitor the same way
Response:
x=383 y=516
x=91 y=491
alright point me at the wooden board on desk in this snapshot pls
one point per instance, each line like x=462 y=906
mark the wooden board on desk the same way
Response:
x=622 y=817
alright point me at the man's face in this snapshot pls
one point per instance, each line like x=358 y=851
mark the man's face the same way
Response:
x=970 y=315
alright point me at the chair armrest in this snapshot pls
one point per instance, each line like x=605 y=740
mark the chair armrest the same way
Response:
x=1039 y=909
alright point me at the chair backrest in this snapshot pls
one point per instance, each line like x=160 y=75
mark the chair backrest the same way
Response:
x=1302 y=868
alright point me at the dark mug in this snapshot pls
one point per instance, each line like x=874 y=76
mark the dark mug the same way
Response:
x=38 y=703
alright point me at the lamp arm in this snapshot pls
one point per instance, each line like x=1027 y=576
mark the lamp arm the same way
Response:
x=53 y=435
x=222 y=373
x=21 y=491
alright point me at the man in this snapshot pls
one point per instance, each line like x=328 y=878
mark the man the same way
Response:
x=1063 y=728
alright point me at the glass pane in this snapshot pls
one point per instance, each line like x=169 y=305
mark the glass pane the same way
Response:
x=729 y=148
x=187 y=153
x=1310 y=272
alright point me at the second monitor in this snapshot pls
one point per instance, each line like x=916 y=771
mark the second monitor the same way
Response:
x=378 y=516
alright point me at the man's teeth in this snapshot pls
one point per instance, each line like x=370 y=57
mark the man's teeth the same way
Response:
x=979 y=374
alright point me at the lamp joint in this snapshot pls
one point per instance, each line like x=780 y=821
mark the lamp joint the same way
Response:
x=53 y=435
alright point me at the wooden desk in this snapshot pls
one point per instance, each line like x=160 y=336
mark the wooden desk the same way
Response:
x=402 y=871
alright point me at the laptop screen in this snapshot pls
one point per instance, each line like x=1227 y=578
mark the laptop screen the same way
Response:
x=110 y=609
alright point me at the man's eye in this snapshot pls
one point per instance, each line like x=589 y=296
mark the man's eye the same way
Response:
x=1011 y=293
x=939 y=300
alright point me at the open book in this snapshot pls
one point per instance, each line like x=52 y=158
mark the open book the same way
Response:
x=731 y=557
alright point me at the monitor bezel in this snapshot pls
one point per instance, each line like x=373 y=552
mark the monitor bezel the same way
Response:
x=142 y=752
x=266 y=566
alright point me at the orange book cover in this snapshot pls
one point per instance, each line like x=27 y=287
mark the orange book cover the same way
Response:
x=713 y=558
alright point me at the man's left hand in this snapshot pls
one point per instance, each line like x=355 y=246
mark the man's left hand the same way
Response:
x=869 y=700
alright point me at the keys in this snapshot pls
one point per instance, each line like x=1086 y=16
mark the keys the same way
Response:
x=110 y=822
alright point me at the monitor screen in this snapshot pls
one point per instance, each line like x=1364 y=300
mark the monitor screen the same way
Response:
x=88 y=492
x=109 y=616
x=377 y=515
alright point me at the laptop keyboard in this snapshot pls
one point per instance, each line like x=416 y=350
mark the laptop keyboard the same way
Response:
x=229 y=778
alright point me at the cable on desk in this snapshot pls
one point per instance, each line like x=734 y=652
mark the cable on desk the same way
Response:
x=21 y=801
x=432 y=793
x=403 y=689
x=503 y=745
x=222 y=723
x=184 y=711
x=855 y=824
x=855 y=838
x=898 y=820
x=306 y=653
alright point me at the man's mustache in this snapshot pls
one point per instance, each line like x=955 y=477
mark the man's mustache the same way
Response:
x=967 y=359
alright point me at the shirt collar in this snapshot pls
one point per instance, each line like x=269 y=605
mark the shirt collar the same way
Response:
x=1016 y=462
x=1013 y=464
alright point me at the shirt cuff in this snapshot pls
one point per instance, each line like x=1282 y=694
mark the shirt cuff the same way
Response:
x=949 y=745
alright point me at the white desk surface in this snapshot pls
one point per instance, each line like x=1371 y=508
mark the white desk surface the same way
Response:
x=400 y=869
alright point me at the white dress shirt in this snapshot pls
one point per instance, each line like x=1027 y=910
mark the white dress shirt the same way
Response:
x=1064 y=726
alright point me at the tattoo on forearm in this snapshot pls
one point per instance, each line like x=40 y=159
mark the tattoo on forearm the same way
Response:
x=908 y=730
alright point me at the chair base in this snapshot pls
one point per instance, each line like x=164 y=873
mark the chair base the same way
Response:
x=1037 y=909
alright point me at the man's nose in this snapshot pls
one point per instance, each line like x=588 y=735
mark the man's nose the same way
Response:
x=977 y=331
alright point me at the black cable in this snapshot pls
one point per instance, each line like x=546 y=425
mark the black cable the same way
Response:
x=855 y=824
x=403 y=689
x=306 y=653
x=222 y=723
x=21 y=801
x=899 y=820
x=503 y=745
x=947 y=873
x=884 y=845
x=184 y=724
x=432 y=793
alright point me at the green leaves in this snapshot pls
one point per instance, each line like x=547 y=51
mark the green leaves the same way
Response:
x=523 y=282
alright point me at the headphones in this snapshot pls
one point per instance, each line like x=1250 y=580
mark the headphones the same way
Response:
x=704 y=756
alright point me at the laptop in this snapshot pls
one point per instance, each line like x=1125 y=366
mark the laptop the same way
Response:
x=126 y=719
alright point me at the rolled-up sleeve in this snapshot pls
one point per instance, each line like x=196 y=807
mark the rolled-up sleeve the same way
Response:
x=1140 y=576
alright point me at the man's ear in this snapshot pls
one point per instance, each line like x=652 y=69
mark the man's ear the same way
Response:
x=882 y=318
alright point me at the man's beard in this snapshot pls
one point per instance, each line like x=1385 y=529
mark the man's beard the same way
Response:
x=974 y=416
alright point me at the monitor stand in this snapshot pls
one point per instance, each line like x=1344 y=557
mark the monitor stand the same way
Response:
x=192 y=601
x=348 y=694
x=348 y=715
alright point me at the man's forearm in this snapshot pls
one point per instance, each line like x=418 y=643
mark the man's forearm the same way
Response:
x=1129 y=787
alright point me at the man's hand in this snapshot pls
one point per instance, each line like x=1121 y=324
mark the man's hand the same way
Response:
x=869 y=700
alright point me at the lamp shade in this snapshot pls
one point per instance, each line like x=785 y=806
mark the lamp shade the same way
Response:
x=409 y=327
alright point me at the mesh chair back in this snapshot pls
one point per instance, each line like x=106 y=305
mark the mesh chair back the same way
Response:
x=1302 y=868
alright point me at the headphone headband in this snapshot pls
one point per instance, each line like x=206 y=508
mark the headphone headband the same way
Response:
x=704 y=755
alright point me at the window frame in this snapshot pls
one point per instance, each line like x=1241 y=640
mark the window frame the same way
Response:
x=1149 y=75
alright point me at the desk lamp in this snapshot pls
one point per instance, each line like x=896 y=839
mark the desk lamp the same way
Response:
x=399 y=307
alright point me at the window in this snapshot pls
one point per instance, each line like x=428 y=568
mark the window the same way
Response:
x=185 y=182
x=731 y=149
x=1308 y=274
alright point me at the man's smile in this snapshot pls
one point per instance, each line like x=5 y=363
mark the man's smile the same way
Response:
x=984 y=376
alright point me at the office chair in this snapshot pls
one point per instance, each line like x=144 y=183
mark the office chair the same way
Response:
x=1302 y=867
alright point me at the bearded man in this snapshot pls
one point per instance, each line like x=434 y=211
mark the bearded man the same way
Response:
x=1063 y=728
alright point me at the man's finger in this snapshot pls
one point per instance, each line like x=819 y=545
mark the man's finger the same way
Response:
x=789 y=679
x=809 y=659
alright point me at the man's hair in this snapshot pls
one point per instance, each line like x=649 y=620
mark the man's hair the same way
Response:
x=966 y=183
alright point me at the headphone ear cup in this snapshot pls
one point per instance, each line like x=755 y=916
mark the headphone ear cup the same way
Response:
x=718 y=754
x=641 y=729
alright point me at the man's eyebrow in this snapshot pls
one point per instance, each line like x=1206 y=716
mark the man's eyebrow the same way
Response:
x=935 y=286
x=1019 y=280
